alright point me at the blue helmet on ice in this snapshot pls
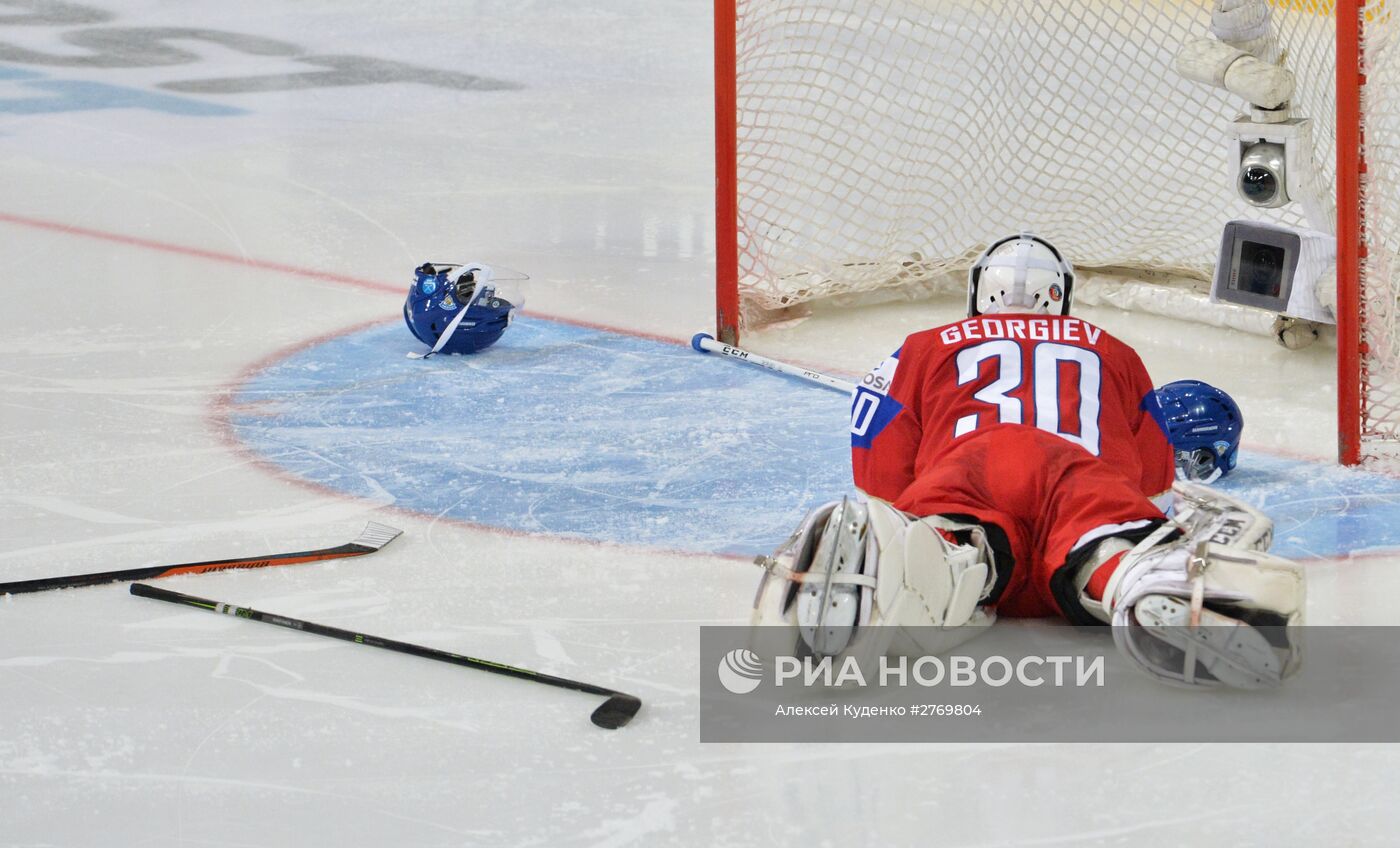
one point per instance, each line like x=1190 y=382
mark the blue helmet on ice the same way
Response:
x=456 y=308
x=1204 y=426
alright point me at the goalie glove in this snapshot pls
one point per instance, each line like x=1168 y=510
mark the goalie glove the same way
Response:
x=1194 y=613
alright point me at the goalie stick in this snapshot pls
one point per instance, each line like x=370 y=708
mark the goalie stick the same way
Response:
x=371 y=539
x=615 y=712
x=706 y=343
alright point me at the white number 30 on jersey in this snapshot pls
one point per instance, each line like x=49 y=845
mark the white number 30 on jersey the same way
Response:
x=1046 y=389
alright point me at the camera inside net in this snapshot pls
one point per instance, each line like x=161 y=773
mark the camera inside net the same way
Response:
x=1274 y=166
x=1263 y=174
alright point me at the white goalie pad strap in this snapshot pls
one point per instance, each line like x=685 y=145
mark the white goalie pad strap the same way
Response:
x=829 y=604
x=782 y=569
x=1184 y=647
x=808 y=577
x=1248 y=580
x=1157 y=539
x=1206 y=514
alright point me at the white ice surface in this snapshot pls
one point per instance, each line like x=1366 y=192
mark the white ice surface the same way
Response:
x=127 y=723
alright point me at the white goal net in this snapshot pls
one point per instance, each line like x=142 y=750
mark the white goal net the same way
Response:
x=881 y=143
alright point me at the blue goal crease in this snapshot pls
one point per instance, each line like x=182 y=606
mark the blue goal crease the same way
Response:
x=595 y=435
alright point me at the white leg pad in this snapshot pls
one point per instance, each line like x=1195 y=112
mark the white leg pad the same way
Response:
x=1197 y=614
x=928 y=590
x=853 y=576
x=943 y=582
x=1232 y=652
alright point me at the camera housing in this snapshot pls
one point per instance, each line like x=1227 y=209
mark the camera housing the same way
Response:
x=1274 y=166
x=1272 y=151
x=1263 y=174
x=1287 y=270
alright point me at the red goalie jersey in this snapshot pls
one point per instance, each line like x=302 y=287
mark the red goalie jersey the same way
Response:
x=1057 y=373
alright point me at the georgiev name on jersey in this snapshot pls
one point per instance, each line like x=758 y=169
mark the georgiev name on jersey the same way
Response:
x=1028 y=328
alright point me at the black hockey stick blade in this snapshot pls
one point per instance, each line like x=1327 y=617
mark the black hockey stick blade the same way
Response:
x=615 y=712
x=371 y=539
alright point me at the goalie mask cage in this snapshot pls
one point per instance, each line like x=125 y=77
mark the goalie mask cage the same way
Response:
x=873 y=146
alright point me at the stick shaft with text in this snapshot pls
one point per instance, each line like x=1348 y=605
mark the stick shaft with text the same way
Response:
x=706 y=343
x=615 y=712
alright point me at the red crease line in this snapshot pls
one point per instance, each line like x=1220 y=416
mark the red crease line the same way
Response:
x=201 y=253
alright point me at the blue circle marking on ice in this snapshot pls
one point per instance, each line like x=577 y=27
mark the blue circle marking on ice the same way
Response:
x=591 y=434
x=556 y=429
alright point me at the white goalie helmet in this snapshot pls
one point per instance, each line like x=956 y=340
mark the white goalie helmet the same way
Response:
x=1020 y=273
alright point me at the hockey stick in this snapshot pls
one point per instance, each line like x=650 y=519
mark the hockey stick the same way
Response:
x=371 y=539
x=615 y=712
x=705 y=343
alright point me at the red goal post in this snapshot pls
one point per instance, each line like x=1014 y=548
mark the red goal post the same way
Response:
x=726 y=176
x=1351 y=250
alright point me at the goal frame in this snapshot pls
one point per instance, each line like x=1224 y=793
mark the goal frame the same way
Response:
x=1351 y=245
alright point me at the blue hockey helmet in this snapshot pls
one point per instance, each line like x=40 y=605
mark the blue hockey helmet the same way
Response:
x=456 y=308
x=1204 y=426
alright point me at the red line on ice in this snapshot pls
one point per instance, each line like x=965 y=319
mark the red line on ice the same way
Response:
x=390 y=288
x=197 y=253
x=284 y=268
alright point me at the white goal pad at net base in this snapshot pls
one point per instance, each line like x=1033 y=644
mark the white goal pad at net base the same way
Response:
x=871 y=148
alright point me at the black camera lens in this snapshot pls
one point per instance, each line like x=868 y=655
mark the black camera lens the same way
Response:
x=1258 y=184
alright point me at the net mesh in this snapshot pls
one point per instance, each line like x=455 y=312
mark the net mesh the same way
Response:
x=882 y=143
